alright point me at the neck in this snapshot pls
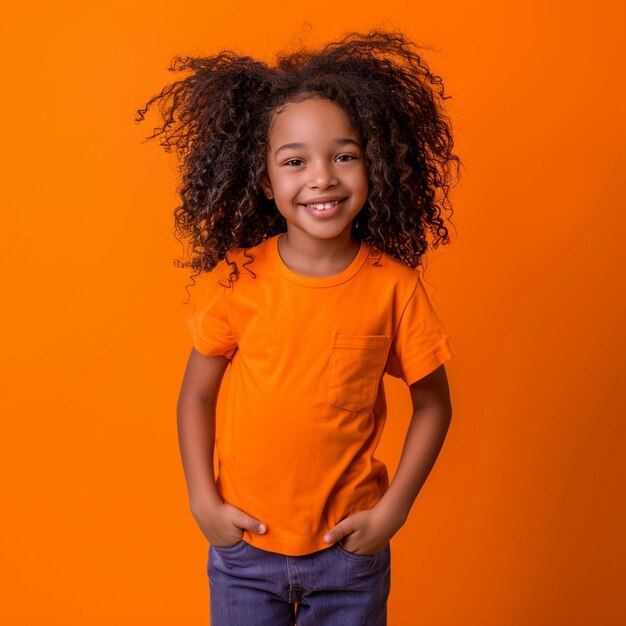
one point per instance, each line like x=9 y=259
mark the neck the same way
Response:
x=313 y=256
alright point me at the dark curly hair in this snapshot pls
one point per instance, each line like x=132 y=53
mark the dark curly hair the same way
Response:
x=218 y=120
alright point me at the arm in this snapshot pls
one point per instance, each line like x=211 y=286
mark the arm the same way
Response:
x=196 y=426
x=432 y=412
x=220 y=522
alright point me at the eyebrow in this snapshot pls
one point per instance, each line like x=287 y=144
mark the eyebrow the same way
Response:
x=339 y=142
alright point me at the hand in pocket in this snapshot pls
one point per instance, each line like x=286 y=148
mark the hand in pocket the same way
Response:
x=223 y=524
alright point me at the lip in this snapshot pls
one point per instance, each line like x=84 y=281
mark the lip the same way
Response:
x=322 y=199
x=328 y=213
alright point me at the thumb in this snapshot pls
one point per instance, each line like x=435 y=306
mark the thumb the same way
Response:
x=337 y=533
x=252 y=524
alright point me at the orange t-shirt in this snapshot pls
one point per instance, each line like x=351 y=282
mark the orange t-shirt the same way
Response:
x=305 y=402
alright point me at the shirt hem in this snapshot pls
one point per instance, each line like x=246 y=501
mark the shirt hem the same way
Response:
x=429 y=363
x=270 y=545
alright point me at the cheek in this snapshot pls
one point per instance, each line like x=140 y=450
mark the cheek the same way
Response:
x=361 y=181
x=287 y=186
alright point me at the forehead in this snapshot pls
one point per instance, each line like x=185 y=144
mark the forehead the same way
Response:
x=313 y=117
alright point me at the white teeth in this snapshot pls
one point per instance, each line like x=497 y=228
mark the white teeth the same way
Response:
x=322 y=207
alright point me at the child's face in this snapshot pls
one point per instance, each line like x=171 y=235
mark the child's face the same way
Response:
x=324 y=167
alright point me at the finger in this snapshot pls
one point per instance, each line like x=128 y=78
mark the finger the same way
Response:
x=337 y=533
x=252 y=524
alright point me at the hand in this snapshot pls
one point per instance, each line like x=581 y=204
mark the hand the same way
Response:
x=222 y=524
x=367 y=531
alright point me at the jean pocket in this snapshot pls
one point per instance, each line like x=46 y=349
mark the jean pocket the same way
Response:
x=239 y=544
x=353 y=555
x=356 y=367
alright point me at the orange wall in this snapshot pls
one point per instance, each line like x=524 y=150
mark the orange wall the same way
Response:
x=521 y=521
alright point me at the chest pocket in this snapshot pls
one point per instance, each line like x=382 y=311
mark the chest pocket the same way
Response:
x=356 y=365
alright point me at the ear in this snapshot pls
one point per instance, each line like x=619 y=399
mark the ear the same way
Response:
x=267 y=187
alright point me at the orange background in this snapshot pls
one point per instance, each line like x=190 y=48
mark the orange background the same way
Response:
x=522 y=520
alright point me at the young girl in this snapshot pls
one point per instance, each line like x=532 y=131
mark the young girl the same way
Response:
x=308 y=191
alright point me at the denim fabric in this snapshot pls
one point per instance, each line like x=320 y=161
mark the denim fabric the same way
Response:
x=331 y=587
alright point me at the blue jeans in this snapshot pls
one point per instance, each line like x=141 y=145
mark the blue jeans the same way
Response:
x=330 y=587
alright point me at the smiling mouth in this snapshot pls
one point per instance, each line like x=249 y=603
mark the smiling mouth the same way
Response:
x=323 y=206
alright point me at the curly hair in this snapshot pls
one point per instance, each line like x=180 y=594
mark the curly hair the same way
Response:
x=218 y=120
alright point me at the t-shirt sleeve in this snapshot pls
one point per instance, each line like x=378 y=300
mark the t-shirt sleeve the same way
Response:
x=421 y=342
x=210 y=329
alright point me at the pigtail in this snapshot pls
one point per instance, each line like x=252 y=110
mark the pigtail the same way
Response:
x=210 y=121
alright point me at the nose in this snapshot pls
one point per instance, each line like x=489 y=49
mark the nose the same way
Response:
x=321 y=175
